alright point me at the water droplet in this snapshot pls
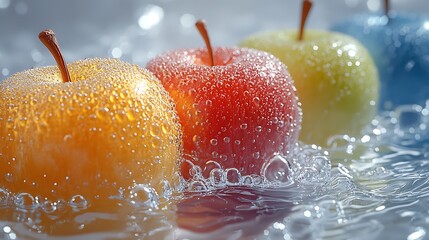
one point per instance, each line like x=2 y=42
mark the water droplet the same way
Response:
x=8 y=177
x=143 y=195
x=25 y=201
x=196 y=139
x=256 y=155
x=78 y=202
x=256 y=100
x=49 y=207
x=195 y=170
x=209 y=167
x=67 y=137
x=276 y=169
x=233 y=176
x=217 y=178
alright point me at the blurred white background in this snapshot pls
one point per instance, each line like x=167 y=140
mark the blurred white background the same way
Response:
x=136 y=30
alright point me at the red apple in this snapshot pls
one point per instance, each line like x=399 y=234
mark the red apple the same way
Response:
x=237 y=106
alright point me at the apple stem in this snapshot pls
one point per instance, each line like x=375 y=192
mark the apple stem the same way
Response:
x=306 y=6
x=47 y=37
x=387 y=8
x=201 y=26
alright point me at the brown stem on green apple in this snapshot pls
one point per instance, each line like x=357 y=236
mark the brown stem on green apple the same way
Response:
x=201 y=26
x=47 y=37
x=306 y=6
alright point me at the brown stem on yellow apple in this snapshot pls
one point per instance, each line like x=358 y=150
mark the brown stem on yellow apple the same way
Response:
x=387 y=8
x=306 y=6
x=47 y=37
x=201 y=26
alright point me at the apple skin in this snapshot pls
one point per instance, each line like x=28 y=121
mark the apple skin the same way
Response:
x=112 y=126
x=400 y=49
x=239 y=112
x=335 y=77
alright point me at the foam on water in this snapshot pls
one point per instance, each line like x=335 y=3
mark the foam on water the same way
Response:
x=372 y=186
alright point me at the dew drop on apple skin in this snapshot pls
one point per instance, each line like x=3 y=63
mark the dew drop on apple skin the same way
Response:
x=8 y=177
x=93 y=110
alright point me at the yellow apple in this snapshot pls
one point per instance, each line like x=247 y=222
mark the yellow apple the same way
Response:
x=109 y=126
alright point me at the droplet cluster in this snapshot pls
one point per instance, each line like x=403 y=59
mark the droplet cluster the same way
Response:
x=305 y=165
x=114 y=125
x=237 y=113
x=399 y=46
x=335 y=77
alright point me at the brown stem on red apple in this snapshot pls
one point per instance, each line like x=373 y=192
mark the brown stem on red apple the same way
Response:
x=47 y=37
x=306 y=6
x=201 y=26
x=387 y=8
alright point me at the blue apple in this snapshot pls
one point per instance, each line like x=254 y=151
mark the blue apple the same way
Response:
x=399 y=45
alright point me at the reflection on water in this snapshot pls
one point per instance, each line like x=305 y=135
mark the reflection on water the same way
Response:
x=239 y=211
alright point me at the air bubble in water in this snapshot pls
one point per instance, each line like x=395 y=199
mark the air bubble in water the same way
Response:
x=276 y=169
x=217 y=178
x=195 y=170
x=209 y=167
x=25 y=201
x=233 y=176
x=49 y=207
x=78 y=202
x=247 y=180
x=143 y=195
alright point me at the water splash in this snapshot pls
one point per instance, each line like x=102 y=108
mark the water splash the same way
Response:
x=374 y=185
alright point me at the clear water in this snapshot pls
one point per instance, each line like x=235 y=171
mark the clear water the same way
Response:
x=372 y=187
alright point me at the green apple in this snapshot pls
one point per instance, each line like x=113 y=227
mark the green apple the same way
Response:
x=335 y=77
